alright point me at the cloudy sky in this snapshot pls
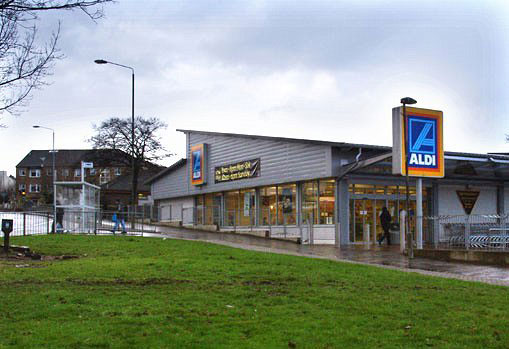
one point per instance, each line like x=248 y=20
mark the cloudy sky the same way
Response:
x=328 y=70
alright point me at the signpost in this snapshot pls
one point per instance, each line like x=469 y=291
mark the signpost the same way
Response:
x=417 y=151
x=6 y=229
x=468 y=199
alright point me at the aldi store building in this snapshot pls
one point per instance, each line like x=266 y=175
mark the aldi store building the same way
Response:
x=322 y=192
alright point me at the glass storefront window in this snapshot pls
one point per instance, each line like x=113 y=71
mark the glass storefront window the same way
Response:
x=326 y=192
x=310 y=202
x=268 y=206
x=380 y=189
x=231 y=210
x=199 y=209
x=213 y=208
x=364 y=189
x=247 y=211
x=287 y=204
x=392 y=190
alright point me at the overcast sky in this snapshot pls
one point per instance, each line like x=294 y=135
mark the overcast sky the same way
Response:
x=327 y=70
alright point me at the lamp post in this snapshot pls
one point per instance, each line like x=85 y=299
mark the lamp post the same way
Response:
x=133 y=194
x=405 y=101
x=54 y=176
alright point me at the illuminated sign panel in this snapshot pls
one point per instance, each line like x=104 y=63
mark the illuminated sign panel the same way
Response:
x=198 y=165
x=425 y=142
x=236 y=171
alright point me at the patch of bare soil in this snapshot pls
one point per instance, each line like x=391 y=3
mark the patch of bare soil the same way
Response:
x=22 y=254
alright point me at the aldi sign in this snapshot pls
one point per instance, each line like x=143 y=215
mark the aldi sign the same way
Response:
x=198 y=168
x=425 y=142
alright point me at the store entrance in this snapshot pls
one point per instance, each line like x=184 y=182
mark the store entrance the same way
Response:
x=366 y=207
x=367 y=212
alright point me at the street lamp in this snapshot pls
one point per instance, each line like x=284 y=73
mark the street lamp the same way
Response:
x=54 y=176
x=102 y=61
x=405 y=101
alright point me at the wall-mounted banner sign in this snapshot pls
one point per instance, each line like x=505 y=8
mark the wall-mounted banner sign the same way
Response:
x=468 y=199
x=198 y=164
x=425 y=142
x=236 y=171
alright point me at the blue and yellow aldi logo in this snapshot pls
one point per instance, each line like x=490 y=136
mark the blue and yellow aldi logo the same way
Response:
x=198 y=167
x=425 y=142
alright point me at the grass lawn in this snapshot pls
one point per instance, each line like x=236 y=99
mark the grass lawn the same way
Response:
x=153 y=293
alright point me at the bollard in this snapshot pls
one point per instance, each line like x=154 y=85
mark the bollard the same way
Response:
x=366 y=234
x=7 y=229
x=402 y=231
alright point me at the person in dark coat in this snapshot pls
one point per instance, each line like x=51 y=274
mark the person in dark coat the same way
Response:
x=385 y=221
x=119 y=217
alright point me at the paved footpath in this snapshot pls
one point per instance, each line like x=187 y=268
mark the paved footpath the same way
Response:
x=383 y=257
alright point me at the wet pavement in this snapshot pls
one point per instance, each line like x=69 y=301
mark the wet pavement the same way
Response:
x=382 y=256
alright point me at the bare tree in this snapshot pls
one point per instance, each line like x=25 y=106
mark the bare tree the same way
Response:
x=24 y=64
x=115 y=133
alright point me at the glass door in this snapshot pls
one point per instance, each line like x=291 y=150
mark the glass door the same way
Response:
x=378 y=231
x=358 y=219
x=363 y=214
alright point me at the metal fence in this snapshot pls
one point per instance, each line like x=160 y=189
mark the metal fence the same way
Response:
x=78 y=221
x=252 y=219
x=29 y=223
x=486 y=232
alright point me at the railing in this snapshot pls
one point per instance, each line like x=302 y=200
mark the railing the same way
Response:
x=77 y=221
x=274 y=224
x=484 y=232
x=29 y=223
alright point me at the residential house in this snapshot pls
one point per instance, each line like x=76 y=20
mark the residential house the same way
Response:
x=34 y=173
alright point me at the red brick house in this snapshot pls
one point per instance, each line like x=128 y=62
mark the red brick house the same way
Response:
x=34 y=174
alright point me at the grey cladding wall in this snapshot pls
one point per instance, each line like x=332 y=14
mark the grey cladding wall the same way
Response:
x=171 y=185
x=281 y=162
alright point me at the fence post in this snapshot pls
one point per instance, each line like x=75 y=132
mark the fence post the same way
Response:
x=284 y=224
x=250 y=224
x=270 y=225
x=467 y=232
x=24 y=223
x=47 y=221
x=310 y=227
x=505 y=232
x=143 y=222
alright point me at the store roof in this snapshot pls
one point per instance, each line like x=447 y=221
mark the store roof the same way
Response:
x=499 y=156
x=293 y=140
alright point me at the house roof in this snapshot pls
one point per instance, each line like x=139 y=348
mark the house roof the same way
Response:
x=73 y=157
x=124 y=182
x=166 y=171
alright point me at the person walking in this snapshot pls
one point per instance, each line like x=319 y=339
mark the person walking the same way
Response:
x=119 y=217
x=385 y=220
